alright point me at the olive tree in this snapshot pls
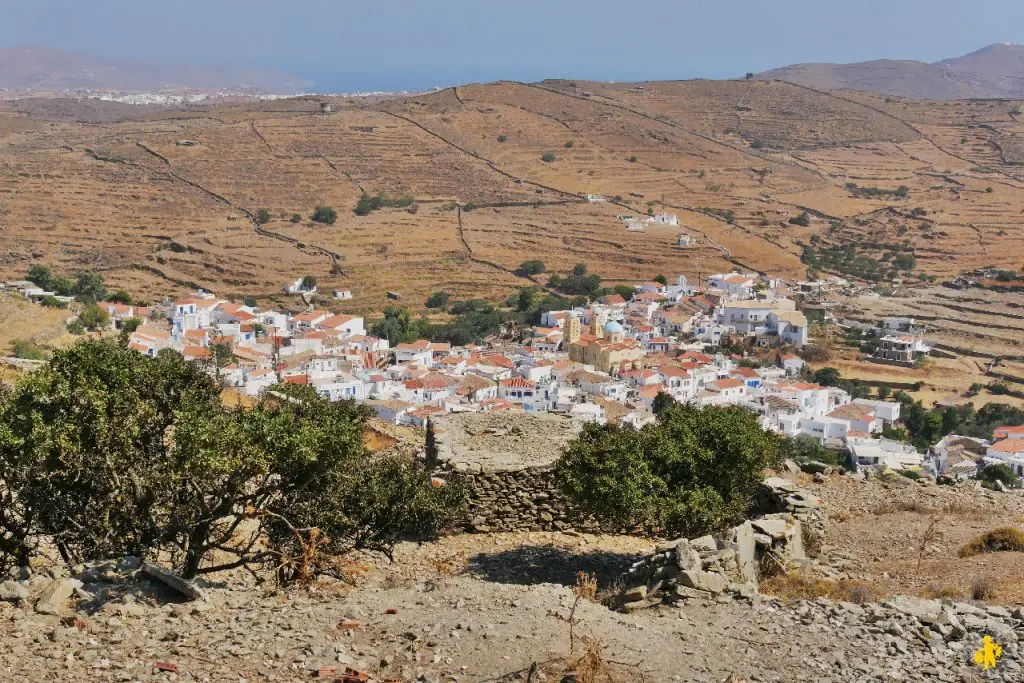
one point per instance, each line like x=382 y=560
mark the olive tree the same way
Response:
x=691 y=472
x=84 y=450
x=108 y=452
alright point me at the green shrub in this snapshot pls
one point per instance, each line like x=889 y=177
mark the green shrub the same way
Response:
x=89 y=287
x=262 y=216
x=803 y=220
x=569 y=144
x=531 y=267
x=999 y=388
x=98 y=492
x=325 y=215
x=27 y=349
x=804 y=448
x=41 y=276
x=548 y=157
x=998 y=472
x=296 y=218
x=120 y=297
x=692 y=472
x=94 y=318
x=502 y=138
x=438 y=300
x=130 y=325
x=51 y=302
x=1005 y=539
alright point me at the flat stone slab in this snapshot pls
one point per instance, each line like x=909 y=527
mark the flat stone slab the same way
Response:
x=173 y=581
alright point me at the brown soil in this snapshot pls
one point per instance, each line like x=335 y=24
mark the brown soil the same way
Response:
x=119 y=195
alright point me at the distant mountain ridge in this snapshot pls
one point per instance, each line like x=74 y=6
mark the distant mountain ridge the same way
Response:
x=995 y=71
x=45 y=69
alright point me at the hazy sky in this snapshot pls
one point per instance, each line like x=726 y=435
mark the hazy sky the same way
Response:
x=396 y=44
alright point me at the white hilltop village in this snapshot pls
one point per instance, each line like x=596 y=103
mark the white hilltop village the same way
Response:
x=604 y=362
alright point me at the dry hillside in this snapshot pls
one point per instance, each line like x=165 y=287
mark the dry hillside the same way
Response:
x=85 y=184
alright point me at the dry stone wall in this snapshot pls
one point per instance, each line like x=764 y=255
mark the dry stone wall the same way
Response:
x=786 y=532
x=506 y=463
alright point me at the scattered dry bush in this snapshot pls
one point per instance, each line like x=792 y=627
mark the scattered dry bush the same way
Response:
x=840 y=516
x=959 y=508
x=797 y=586
x=939 y=592
x=903 y=506
x=591 y=666
x=814 y=540
x=931 y=534
x=611 y=595
x=771 y=565
x=1004 y=539
x=452 y=564
x=984 y=588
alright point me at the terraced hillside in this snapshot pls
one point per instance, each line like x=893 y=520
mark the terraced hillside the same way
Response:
x=164 y=200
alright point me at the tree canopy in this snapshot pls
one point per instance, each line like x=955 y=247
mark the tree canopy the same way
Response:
x=109 y=452
x=325 y=215
x=691 y=472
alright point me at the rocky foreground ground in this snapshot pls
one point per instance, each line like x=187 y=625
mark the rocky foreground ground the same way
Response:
x=495 y=607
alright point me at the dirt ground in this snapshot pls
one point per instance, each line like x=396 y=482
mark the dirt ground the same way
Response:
x=876 y=531
x=22 y=319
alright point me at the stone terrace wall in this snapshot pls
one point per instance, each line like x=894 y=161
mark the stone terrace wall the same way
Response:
x=506 y=463
x=789 y=530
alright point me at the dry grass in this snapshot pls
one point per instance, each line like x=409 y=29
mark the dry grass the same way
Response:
x=957 y=508
x=592 y=666
x=984 y=588
x=813 y=540
x=938 y=592
x=1005 y=539
x=914 y=506
x=954 y=508
x=450 y=565
x=443 y=149
x=797 y=586
x=840 y=515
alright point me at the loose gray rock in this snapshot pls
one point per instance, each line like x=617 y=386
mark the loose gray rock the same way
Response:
x=12 y=591
x=704 y=581
x=56 y=593
x=686 y=557
x=172 y=581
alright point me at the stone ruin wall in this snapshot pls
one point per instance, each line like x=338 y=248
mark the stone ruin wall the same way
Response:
x=785 y=532
x=513 y=493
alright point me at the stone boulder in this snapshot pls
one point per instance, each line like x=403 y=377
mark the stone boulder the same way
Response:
x=12 y=591
x=56 y=593
x=704 y=581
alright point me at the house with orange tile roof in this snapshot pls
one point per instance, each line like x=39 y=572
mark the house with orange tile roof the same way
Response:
x=192 y=314
x=1016 y=432
x=733 y=285
x=419 y=416
x=308 y=320
x=196 y=353
x=149 y=339
x=749 y=376
x=420 y=352
x=343 y=325
x=1009 y=452
x=499 y=405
